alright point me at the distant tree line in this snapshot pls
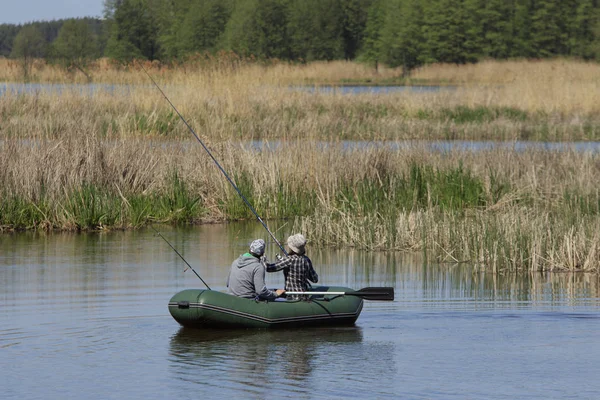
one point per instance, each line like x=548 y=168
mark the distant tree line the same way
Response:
x=69 y=42
x=405 y=33
x=48 y=31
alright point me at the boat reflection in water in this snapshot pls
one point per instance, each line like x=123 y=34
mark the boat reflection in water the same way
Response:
x=252 y=361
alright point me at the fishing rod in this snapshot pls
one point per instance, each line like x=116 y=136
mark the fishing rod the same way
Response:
x=180 y=256
x=216 y=162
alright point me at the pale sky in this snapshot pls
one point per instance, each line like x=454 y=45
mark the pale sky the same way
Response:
x=21 y=11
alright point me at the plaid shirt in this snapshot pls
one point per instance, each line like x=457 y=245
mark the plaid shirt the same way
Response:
x=297 y=270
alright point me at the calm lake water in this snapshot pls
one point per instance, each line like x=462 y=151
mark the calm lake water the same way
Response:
x=85 y=316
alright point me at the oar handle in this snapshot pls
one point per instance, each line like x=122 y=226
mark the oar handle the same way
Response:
x=312 y=293
x=369 y=293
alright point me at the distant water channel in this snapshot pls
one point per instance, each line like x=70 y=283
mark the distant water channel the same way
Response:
x=85 y=316
x=366 y=89
x=448 y=145
x=91 y=88
x=59 y=88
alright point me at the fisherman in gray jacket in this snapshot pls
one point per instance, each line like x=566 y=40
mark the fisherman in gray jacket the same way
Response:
x=247 y=275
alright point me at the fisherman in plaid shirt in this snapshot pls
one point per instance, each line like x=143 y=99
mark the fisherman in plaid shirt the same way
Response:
x=297 y=267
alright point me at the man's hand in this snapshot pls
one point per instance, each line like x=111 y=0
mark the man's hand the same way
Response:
x=279 y=257
x=279 y=292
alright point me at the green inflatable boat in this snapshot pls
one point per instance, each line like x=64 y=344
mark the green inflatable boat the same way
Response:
x=213 y=309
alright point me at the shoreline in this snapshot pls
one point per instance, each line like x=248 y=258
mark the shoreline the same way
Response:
x=497 y=209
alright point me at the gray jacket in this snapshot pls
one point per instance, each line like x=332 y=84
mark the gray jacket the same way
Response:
x=247 y=279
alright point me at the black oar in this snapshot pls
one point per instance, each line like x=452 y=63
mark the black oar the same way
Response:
x=368 y=293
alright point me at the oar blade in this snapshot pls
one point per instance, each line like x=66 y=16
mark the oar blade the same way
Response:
x=375 y=293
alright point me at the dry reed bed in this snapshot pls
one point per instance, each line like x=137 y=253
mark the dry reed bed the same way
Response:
x=248 y=111
x=562 y=87
x=133 y=163
x=533 y=210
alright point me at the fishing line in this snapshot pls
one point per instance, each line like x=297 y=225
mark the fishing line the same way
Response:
x=216 y=162
x=180 y=256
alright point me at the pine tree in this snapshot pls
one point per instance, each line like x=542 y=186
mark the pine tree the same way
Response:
x=239 y=30
x=259 y=28
x=545 y=29
x=316 y=29
x=583 y=34
x=371 y=51
x=204 y=24
x=8 y=33
x=134 y=32
x=354 y=23
x=495 y=17
x=475 y=28
x=401 y=35
x=271 y=30
x=444 y=29
x=592 y=49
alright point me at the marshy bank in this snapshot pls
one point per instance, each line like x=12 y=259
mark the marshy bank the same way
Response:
x=75 y=161
x=541 y=101
x=495 y=209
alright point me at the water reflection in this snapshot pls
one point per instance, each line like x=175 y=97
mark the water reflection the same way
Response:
x=413 y=277
x=258 y=359
x=89 y=267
